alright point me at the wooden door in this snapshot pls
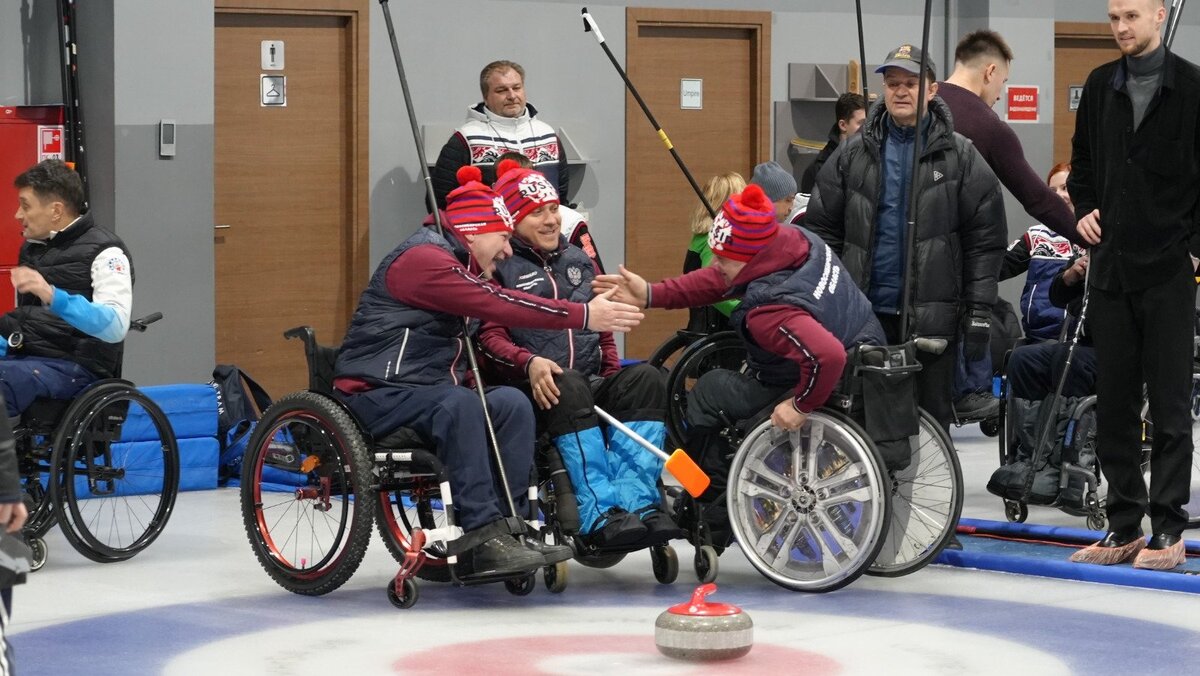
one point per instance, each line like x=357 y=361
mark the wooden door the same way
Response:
x=1078 y=49
x=730 y=52
x=291 y=183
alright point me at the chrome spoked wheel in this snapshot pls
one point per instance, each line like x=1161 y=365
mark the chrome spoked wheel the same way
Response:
x=809 y=508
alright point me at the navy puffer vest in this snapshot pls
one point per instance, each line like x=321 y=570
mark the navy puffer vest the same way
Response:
x=565 y=274
x=391 y=342
x=823 y=288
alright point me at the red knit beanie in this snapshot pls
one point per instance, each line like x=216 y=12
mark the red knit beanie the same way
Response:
x=523 y=189
x=745 y=225
x=473 y=208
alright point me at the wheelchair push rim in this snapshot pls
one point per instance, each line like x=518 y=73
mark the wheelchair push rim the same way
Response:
x=809 y=508
x=305 y=504
x=926 y=504
x=116 y=472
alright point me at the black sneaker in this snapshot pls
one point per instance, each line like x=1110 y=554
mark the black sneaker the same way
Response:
x=551 y=553
x=977 y=406
x=503 y=554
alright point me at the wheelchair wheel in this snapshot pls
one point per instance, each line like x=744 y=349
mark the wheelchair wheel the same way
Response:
x=116 y=472
x=927 y=499
x=521 y=586
x=555 y=577
x=411 y=592
x=402 y=511
x=38 y=505
x=665 y=563
x=306 y=501
x=720 y=350
x=809 y=508
x=706 y=563
x=40 y=552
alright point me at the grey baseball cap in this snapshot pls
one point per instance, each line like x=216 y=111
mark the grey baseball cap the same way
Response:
x=907 y=57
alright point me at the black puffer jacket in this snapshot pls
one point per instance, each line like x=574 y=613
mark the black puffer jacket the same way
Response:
x=960 y=232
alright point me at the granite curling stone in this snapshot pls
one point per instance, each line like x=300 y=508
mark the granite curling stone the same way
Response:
x=699 y=631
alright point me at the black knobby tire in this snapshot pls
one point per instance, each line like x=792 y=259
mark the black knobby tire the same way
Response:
x=113 y=497
x=333 y=486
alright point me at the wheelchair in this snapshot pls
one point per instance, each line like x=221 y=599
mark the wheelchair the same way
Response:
x=104 y=466
x=557 y=497
x=816 y=508
x=1082 y=487
x=314 y=484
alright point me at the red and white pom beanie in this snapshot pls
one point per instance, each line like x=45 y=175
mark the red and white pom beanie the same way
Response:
x=474 y=209
x=745 y=225
x=523 y=189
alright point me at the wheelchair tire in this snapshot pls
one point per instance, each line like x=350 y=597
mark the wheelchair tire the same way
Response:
x=396 y=521
x=927 y=499
x=706 y=563
x=665 y=563
x=116 y=472
x=801 y=530
x=719 y=350
x=666 y=355
x=39 y=506
x=411 y=593
x=306 y=493
x=556 y=577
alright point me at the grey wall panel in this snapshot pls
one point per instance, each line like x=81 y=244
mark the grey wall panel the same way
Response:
x=165 y=216
x=29 y=63
x=146 y=60
x=96 y=71
x=163 y=64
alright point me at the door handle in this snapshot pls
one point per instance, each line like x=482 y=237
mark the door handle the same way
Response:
x=222 y=227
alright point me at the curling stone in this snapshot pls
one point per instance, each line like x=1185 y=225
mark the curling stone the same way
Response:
x=699 y=631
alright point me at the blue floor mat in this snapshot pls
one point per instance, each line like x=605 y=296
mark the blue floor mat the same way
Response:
x=1044 y=551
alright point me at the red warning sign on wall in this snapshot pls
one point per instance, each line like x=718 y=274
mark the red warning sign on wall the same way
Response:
x=50 y=143
x=1022 y=103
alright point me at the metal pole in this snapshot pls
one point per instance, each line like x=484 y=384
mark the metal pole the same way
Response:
x=589 y=26
x=1173 y=21
x=437 y=219
x=910 y=234
x=862 y=52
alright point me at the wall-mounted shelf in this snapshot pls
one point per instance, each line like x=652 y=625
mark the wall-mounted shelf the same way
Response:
x=813 y=91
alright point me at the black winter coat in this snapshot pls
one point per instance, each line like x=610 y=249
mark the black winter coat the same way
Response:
x=960 y=235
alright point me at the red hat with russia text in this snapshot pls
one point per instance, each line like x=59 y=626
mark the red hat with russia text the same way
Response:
x=474 y=209
x=744 y=226
x=523 y=189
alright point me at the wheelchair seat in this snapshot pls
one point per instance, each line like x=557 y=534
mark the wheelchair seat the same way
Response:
x=404 y=437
